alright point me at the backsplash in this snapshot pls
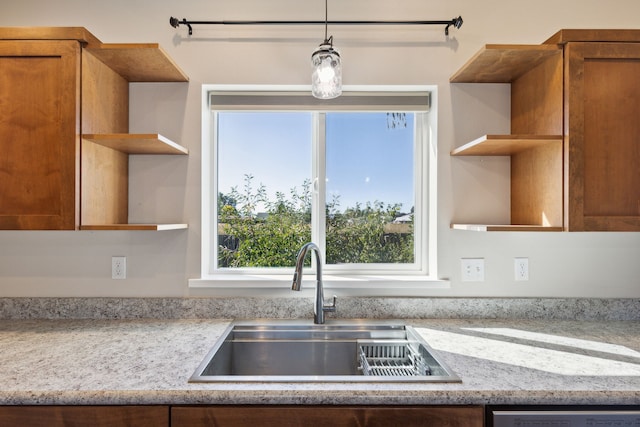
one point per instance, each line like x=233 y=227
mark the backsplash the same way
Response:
x=348 y=307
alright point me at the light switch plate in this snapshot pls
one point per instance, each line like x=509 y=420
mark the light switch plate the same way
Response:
x=472 y=269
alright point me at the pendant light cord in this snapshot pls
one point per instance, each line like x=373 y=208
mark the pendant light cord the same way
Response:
x=326 y=21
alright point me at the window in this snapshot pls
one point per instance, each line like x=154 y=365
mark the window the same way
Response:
x=354 y=175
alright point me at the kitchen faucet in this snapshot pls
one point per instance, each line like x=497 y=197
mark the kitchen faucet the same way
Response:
x=318 y=307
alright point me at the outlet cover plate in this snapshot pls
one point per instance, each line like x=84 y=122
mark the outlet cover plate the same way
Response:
x=118 y=267
x=521 y=269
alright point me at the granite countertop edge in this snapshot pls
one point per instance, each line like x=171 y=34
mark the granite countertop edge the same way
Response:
x=327 y=397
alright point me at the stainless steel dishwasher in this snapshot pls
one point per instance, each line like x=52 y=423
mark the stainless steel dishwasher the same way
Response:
x=565 y=417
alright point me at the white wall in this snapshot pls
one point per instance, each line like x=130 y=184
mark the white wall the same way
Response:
x=168 y=188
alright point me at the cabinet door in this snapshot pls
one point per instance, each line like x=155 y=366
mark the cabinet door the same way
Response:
x=602 y=136
x=335 y=416
x=39 y=134
x=82 y=416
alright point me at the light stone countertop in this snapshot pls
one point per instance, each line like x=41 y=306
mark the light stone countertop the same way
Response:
x=145 y=361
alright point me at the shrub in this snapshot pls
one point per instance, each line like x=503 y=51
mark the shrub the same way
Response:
x=355 y=235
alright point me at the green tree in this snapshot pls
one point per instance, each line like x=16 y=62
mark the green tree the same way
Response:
x=360 y=234
x=271 y=240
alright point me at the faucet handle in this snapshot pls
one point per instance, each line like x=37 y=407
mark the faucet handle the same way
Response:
x=331 y=307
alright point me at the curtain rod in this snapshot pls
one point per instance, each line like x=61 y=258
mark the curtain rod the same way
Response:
x=455 y=22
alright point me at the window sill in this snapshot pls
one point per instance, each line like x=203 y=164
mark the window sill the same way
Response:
x=340 y=285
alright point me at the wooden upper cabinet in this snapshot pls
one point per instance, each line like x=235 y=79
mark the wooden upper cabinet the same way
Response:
x=39 y=135
x=575 y=130
x=57 y=85
x=602 y=141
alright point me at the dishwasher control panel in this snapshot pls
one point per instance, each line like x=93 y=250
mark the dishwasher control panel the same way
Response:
x=566 y=418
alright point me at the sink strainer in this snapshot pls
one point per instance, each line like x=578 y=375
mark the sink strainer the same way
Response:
x=396 y=358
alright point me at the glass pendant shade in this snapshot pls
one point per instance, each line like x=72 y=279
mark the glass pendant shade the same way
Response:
x=326 y=79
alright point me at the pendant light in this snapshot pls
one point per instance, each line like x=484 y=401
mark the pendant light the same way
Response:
x=326 y=79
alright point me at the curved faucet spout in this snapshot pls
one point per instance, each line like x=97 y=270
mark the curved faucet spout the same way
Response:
x=319 y=308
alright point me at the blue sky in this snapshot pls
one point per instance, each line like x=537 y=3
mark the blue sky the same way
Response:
x=366 y=161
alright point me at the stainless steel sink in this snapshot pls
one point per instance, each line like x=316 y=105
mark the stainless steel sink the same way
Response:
x=300 y=351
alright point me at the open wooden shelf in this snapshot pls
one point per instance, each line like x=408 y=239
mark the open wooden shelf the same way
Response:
x=536 y=177
x=535 y=143
x=147 y=143
x=504 y=145
x=134 y=227
x=498 y=63
x=114 y=150
x=139 y=62
x=105 y=179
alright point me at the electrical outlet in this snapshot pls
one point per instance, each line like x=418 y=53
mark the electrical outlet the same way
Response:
x=118 y=267
x=472 y=269
x=521 y=268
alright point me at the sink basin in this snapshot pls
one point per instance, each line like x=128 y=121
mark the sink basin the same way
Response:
x=345 y=351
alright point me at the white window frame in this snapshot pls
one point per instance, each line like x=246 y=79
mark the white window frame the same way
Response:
x=351 y=280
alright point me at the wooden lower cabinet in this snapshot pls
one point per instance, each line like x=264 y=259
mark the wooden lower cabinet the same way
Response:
x=241 y=415
x=334 y=416
x=83 y=416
